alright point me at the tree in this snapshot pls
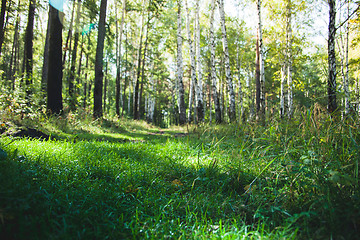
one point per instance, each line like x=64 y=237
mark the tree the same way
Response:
x=229 y=82
x=98 y=86
x=2 y=22
x=72 y=96
x=261 y=111
x=181 y=101
x=289 y=57
x=192 y=65
x=118 y=56
x=28 y=48
x=199 y=86
x=54 y=80
x=332 y=104
x=216 y=99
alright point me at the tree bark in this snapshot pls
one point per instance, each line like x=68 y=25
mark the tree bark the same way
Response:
x=54 y=80
x=136 y=115
x=199 y=86
x=332 y=104
x=192 y=64
x=257 y=78
x=2 y=22
x=45 y=68
x=98 y=111
x=181 y=101
x=218 y=118
x=289 y=58
x=261 y=66
x=118 y=57
x=72 y=91
x=229 y=81
x=28 y=48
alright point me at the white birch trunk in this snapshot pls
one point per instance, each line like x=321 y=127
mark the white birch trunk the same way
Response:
x=261 y=63
x=230 y=88
x=289 y=58
x=181 y=102
x=193 y=85
x=212 y=66
x=199 y=86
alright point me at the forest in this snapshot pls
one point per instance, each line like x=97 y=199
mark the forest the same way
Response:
x=186 y=119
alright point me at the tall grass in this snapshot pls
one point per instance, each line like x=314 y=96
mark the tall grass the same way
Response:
x=284 y=181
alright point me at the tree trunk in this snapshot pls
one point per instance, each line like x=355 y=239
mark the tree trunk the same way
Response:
x=28 y=48
x=332 y=105
x=2 y=22
x=261 y=66
x=141 y=106
x=118 y=57
x=54 y=81
x=136 y=115
x=105 y=85
x=181 y=101
x=218 y=118
x=229 y=82
x=14 y=54
x=68 y=38
x=289 y=58
x=346 y=74
x=72 y=91
x=257 y=78
x=45 y=68
x=98 y=111
x=199 y=86
x=282 y=92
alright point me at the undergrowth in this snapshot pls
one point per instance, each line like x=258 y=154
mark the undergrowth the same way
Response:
x=296 y=180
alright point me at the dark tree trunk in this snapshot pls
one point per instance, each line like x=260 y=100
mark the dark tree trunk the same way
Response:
x=14 y=55
x=2 y=22
x=72 y=91
x=141 y=105
x=28 y=47
x=45 y=68
x=137 y=83
x=54 y=81
x=332 y=105
x=98 y=111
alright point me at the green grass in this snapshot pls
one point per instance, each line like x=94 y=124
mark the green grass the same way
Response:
x=283 y=181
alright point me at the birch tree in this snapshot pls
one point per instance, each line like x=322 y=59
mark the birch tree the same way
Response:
x=199 y=86
x=229 y=82
x=216 y=99
x=192 y=64
x=261 y=112
x=289 y=58
x=332 y=104
x=181 y=101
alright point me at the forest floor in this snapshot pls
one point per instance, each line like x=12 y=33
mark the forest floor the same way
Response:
x=74 y=178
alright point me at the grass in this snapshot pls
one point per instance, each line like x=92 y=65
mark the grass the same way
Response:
x=283 y=181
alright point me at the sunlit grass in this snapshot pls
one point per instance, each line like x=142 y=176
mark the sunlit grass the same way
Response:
x=283 y=181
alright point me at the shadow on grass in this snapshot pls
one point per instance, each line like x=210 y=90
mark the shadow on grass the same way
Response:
x=104 y=190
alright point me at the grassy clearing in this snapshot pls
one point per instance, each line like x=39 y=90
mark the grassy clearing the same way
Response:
x=219 y=182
